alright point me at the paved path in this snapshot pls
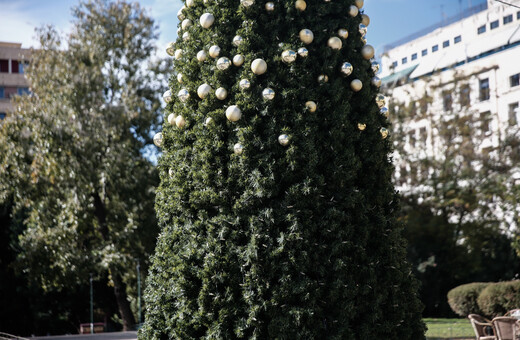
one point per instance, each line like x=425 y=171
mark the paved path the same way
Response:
x=101 y=336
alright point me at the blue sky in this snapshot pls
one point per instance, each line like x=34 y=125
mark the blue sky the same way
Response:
x=390 y=19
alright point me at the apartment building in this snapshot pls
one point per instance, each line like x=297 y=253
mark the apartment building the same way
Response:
x=13 y=60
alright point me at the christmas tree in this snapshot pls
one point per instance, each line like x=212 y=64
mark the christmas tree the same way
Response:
x=276 y=205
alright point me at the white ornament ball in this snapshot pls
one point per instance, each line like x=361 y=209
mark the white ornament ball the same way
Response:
x=158 y=139
x=170 y=49
x=300 y=5
x=283 y=140
x=180 y=15
x=214 y=51
x=167 y=96
x=306 y=36
x=356 y=85
x=335 y=43
x=203 y=91
x=186 y=36
x=233 y=113
x=206 y=20
x=268 y=94
x=259 y=66
x=221 y=93
x=208 y=121
x=343 y=33
x=244 y=84
x=359 y=3
x=171 y=118
x=380 y=100
x=289 y=56
x=303 y=52
x=238 y=149
x=247 y=3
x=269 y=6
x=201 y=55
x=238 y=60
x=368 y=52
x=183 y=95
x=178 y=54
x=179 y=78
x=323 y=78
x=223 y=63
x=190 y=3
x=365 y=19
x=171 y=172
x=347 y=68
x=180 y=121
x=311 y=106
x=353 y=11
x=376 y=81
x=237 y=40
x=186 y=23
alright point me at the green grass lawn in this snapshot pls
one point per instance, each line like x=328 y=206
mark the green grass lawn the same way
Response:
x=449 y=328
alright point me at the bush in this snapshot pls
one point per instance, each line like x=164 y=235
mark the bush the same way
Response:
x=498 y=298
x=463 y=299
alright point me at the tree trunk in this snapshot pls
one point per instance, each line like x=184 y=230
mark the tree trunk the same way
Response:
x=122 y=302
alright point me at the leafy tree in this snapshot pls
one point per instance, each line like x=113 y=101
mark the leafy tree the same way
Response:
x=279 y=223
x=72 y=153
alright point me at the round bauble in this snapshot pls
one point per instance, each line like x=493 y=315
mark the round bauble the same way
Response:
x=300 y=5
x=364 y=40
x=221 y=93
x=171 y=118
x=179 y=31
x=247 y=3
x=376 y=81
x=343 y=33
x=208 y=121
x=375 y=67
x=244 y=84
x=179 y=78
x=353 y=11
x=380 y=100
x=178 y=54
x=214 y=51
x=259 y=66
x=289 y=56
x=171 y=172
x=206 y=20
x=269 y=6
x=365 y=19
x=180 y=122
x=362 y=30
x=223 y=63
x=183 y=95
x=368 y=52
x=335 y=43
x=170 y=49
x=190 y=3
x=283 y=140
x=303 y=52
x=359 y=3
x=233 y=113
x=203 y=91
x=356 y=85
x=238 y=60
x=167 y=96
x=238 y=149
x=361 y=126
x=384 y=112
x=347 y=68
x=268 y=94
x=186 y=23
x=237 y=40
x=186 y=36
x=158 y=139
x=384 y=133
x=201 y=55
x=180 y=15
x=306 y=36
x=311 y=106
x=323 y=78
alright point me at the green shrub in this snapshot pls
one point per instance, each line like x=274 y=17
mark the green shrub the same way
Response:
x=463 y=299
x=498 y=298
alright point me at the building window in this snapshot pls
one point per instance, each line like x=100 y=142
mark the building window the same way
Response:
x=508 y=19
x=404 y=60
x=457 y=39
x=2 y=115
x=514 y=80
x=394 y=64
x=465 y=99
x=493 y=24
x=23 y=90
x=485 y=120
x=513 y=114
x=447 y=100
x=518 y=15
x=446 y=44
x=484 y=89
x=435 y=48
x=411 y=138
x=2 y=92
x=481 y=29
x=14 y=66
x=4 y=65
x=423 y=134
x=414 y=56
x=424 y=52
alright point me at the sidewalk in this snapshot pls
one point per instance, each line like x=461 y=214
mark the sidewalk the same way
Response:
x=100 y=336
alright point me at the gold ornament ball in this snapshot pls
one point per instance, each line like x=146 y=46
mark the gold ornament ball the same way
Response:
x=289 y=56
x=178 y=54
x=368 y=52
x=170 y=49
x=190 y=3
x=237 y=40
x=180 y=122
x=365 y=19
x=214 y=51
x=203 y=91
x=269 y=6
x=361 y=126
x=384 y=112
x=206 y=20
x=238 y=149
x=158 y=139
x=311 y=106
x=259 y=66
x=384 y=133
x=247 y=3
x=380 y=100
x=356 y=85
x=238 y=60
x=283 y=140
x=167 y=96
x=179 y=78
x=343 y=33
x=180 y=15
x=183 y=95
x=223 y=63
x=186 y=23
x=268 y=94
x=353 y=11
x=300 y=5
x=376 y=81
x=347 y=68
x=221 y=93
x=359 y=3
x=323 y=78
x=303 y=52
x=171 y=118
x=335 y=43
x=201 y=55
x=244 y=84
x=306 y=36
x=233 y=113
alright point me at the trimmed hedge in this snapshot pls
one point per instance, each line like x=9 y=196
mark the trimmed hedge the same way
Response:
x=463 y=299
x=498 y=298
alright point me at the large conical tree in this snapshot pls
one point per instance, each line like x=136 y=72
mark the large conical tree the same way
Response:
x=278 y=213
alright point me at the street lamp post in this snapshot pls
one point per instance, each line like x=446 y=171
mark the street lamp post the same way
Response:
x=91 y=306
x=139 y=292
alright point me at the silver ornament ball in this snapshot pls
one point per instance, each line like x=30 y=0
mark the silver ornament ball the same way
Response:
x=303 y=52
x=214 y=51
x=237 y=40
x=268 y=94
x=384 y=133
x=238 y=149
x=244 y=84
x=183 y=95
x=343 y=33
x=223 y=63
x=269 y=6
x=247 y=3
x=380 y=100
x=170 y=49
x=158 y=139
x=323 y=78
x=233 y=113
x=238 y=60
x=283 y=140
x=347 y=68
x=289 y=56
x=376 y=81
x=362 y=30
x=375 y=67
x=384 y=112
x=167 y=96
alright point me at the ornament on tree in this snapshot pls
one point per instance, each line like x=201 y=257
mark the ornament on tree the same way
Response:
x=353 y=11
x=365 y=20
x=237 y=40
x=335 y=43
x=158 y=139
x=208 y=121
x=183 y=95
x=384 y=133
x=167 y=96
x=186 y=23
x=380 y=100
x=186 y=36
x=180 y=14
x=343 y=33
x=244 y=84
x=347 y=68
x=171 y=118
x=283 y=140
x=300 y=5
x=376 y=81
x=233 y=113
x=180 y=122
x=206 y=20
x=171 y=172
x=221 y=93
x=178 y=54
x=214 y=51
x=375 y=67
x=362 y=30
x=361 y=126
x=268 y=94
x=190 y=3
x=289 y=56
x=238 y=149
x=203 y=91
x=306 y=36
x=311 y=106
x=269 y=6
x=356 y=85
x=179 y=78
x=201 y=55
x=238 y=60
x=259 y=66
x=170 y=49
x=384 y=112
x=323 y=78
x=247 y=3
x=367 y=52
x=363 y=40
x=303 y=52
x=359 y=3
x=223 y=63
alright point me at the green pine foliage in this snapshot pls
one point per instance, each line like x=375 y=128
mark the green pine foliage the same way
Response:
x=278 y=242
